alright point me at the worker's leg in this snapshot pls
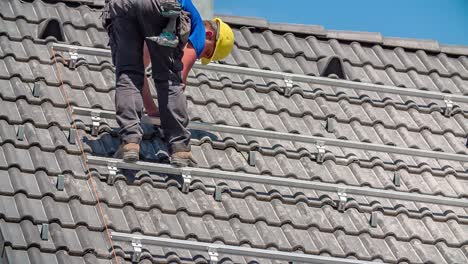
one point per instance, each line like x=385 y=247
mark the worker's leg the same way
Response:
x=126 y=41
x=148 y=101
x=166 y=67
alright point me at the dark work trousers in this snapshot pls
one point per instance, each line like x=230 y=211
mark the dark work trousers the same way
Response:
x=129 y=23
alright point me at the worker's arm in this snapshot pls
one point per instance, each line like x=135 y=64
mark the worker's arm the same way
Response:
x=148 y=101
x=189 y=58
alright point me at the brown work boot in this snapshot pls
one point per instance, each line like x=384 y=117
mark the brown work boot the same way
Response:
x=183 y=159
x=129 y=152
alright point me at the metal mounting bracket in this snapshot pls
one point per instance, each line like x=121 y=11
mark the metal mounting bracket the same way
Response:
x=45 y=231
x=397 y=179
x=73 y=58
x=374 y=218
x=448 y=106
x=251 y=158
x=96 y=119
x=331 y=124
x=288 y=85
x=72 y=136
x=36 y=91
x=213 y=254
x=320 y=151
x=187 y=179
x=218 y=193
x=20 y=133
x=60 y=182
x=136 y=244
x=342 y=199
x=112 y=168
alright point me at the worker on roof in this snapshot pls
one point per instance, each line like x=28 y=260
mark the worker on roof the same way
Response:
x=137 y=35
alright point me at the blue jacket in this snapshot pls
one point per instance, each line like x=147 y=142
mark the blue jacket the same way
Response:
x=197 y=33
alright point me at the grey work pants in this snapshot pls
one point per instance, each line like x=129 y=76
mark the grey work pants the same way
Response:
x=128 y=23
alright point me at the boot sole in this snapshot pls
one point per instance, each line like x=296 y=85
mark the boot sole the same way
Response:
x=130 y=157
x=183 y=162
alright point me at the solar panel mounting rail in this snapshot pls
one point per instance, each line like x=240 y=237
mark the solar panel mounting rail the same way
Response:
x=301 y=138
x=290 y=76
x=232 y=250
x=279 y=181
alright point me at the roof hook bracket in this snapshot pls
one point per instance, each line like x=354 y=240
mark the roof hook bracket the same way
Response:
x=187 y=179
x=218 y=193
x=60 y=182
x=72 y=136
x=136 y=244
x=20 y=133
x=320 y=156
x=213 y=254
x=288 y=85
x=449 y=105
x=112 y=168
x=374 y=219
x=36 y=90
x=251 y=158
x=44 y=231
x=397 y=179
x=96 y=119
x=342 y=199
x=73 y=58
x=331 y=124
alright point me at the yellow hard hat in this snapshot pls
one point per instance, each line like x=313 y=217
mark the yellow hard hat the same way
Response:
x=224 y=42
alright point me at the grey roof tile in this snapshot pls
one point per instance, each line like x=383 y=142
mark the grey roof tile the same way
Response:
x=260 y=215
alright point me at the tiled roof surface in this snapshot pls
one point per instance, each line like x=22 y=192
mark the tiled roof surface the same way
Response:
x=251 y=215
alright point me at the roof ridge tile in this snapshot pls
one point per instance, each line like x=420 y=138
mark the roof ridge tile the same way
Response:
x=361 y=36
x=410 y=43
x=347 y=35
x=299 y=28
x=455 y=49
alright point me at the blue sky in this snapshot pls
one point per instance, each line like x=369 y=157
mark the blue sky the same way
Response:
x=443 y=20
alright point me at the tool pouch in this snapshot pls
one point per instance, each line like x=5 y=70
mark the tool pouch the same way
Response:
x=183 y=27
